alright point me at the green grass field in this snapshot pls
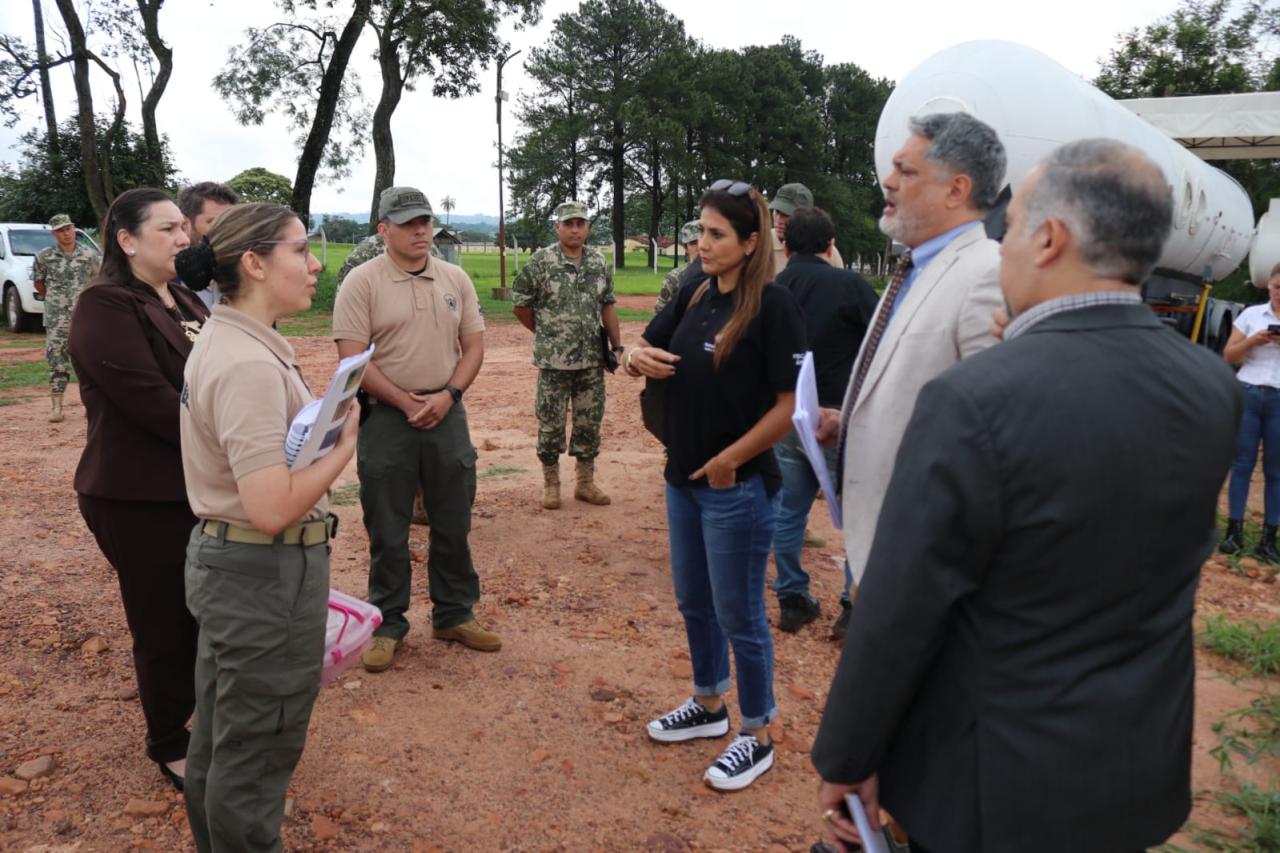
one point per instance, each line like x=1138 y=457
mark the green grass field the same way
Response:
x=635 y=278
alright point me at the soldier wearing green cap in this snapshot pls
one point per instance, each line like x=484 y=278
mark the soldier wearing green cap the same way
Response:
x=59 y=273
x=689 y=234
x=785 y=201
x=563 y=295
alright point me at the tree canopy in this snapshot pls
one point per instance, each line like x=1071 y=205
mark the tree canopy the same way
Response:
x=258 y=184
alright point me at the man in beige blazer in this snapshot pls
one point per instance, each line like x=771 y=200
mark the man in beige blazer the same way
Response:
x=945 y=179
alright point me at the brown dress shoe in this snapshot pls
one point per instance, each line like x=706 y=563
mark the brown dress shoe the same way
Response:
x=379 y=656
x=471 y=635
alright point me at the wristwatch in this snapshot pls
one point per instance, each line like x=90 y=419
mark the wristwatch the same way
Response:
x=454 y=392
x=619 y=348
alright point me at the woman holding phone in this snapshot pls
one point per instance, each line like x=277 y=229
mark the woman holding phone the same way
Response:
x=730 y=347
x=257 y=572
x=1255 y=347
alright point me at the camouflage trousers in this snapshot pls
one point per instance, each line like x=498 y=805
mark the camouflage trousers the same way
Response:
x=57 y=327
x=557 y=389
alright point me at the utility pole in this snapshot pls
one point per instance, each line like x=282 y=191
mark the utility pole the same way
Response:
x=502 y=292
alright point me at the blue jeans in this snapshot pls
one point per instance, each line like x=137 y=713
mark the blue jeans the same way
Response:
x=799 y=489
x=1261 y=423
x=719 y=547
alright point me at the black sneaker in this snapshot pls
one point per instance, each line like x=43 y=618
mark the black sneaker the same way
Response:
x=841 y=626
x=689 y=721
x=797 y=611
x=741 y=764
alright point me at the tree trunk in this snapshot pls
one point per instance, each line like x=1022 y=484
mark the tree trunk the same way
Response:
x=84 y=109
x=46 y=93
x=655 y=204
x=573 y=150
x=149 y=10
x=617 y=179
x=384 y=149
x=326 y=107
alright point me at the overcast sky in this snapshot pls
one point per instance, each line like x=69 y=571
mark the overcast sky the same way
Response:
x=450 y=147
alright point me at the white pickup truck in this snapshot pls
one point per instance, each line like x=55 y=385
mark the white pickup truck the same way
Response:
x=19 y=242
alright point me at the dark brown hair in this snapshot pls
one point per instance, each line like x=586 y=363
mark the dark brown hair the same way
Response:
x=243 y=228
x=191 y=199
x=748 y=214
x=128 y=212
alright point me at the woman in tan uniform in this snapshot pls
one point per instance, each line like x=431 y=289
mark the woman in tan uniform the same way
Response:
x=257 y=570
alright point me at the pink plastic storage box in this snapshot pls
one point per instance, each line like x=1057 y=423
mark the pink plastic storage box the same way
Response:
x=349 y=632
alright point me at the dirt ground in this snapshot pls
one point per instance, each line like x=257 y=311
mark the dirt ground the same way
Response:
x=538 y=747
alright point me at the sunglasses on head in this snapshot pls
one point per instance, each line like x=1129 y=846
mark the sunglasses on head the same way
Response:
x=735 y=188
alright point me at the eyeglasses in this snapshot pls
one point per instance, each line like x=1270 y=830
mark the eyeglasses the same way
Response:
x=734 y=188
x=299 y=242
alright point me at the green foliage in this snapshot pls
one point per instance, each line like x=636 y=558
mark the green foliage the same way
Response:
x=1254 y=645
x=276 y=68
x=1251 y=732
x=345 y=495
x=687 y=115
x=22 y=374
x=1201 y=49
x=340 y=229
x=499 y=471
x=257 y=184
x=1260 y=809
x=33 y=190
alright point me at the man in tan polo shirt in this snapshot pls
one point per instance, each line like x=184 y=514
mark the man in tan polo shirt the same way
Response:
x=785 y=201
x=424 y=317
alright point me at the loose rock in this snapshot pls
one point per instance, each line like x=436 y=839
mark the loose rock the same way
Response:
x=11 y=787
x=145 y=808
x=35 y=768
x=95 y=645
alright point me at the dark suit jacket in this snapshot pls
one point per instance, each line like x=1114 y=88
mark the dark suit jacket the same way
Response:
x=1018 y=667
x=838 y=305
x=129 y=354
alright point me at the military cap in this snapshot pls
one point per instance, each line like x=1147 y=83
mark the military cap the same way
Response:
x=690 y=232
x=571 y=210
x=791 y=196
x=59 y=221
x=401 y=204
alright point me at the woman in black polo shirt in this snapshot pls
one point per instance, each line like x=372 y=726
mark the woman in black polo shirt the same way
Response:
x=730 y=347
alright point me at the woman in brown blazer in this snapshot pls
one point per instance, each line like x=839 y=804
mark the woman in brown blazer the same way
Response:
x=131 y=333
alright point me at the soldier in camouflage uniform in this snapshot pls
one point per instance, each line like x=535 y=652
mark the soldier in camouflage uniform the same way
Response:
x=59 y=273
x=689 y=234
x=563 y=295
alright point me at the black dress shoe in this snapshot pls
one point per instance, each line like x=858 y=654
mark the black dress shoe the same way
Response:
x=796 y=611
x=841 y=626
x=174 y=779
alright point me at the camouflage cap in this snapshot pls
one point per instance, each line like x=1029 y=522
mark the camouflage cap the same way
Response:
x=401 y=204
x=791 y=196
x=690 y=232
x=59 y=221
x=571 y=210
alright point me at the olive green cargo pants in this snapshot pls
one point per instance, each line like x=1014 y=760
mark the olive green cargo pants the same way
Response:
x=262 y=611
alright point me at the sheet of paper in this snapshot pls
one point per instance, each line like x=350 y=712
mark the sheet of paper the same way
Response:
x=805 y=420
x=872 y=842
x=315 y=429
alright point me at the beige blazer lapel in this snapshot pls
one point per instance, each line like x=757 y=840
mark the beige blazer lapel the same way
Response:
x=916 y=297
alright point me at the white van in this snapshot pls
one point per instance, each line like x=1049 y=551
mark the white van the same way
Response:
x=19 y=242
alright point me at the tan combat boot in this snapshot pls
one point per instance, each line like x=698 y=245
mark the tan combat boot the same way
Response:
x=551 y=486
x=55 y=416
x=587 y=490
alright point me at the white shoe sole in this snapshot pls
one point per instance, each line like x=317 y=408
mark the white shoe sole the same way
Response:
x=742 y=780
x=719 y=729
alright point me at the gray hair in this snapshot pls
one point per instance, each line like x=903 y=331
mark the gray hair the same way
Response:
x=1113 y=199
x=965 y=146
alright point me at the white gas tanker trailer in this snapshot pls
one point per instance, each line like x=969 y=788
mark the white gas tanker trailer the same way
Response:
x=1035 y=105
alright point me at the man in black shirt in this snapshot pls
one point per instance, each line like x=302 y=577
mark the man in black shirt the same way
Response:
x=837 y=306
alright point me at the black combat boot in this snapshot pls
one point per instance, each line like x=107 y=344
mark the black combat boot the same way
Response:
x=1266 y=549
x=1233 y=539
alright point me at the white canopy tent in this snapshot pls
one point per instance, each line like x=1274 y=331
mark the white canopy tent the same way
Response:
x=1217 y=127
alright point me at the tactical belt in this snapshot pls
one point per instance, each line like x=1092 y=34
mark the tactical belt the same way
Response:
x=306 y=534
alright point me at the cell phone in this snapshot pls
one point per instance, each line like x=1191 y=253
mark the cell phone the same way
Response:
x=1274 y=329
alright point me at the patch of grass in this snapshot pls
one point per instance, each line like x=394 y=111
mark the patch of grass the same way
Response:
x=1251 y=732
x=21 y=374
x=1254 y=645
x=1261 y=810
x=499 y=471
x=348 y=495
